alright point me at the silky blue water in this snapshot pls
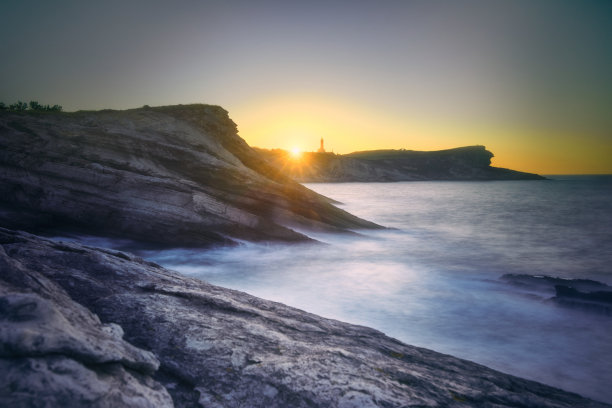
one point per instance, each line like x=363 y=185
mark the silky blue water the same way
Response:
x=432 y=279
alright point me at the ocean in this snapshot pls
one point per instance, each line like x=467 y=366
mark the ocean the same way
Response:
x=432 y=279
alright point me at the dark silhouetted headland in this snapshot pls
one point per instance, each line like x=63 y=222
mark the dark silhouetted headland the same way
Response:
x=460 y=164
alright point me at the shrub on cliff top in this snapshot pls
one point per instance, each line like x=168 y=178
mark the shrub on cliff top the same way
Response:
x=33 y=106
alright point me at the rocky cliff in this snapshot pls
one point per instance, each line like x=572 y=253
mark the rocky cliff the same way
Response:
x=174 y=175
x=464 y=163
x=84 y=327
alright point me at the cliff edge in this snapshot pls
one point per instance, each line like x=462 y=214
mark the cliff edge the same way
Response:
x=172 y=176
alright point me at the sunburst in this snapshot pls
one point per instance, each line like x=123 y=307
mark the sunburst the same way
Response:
x=295 y=153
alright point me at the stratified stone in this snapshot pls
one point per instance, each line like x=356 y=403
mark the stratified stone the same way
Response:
x=54 y=352
x=171 y=176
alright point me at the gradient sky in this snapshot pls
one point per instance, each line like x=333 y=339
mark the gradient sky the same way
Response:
x=529 y=79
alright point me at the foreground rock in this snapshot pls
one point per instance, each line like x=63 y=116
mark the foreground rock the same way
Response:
x=460 y=164
x=54 y=352
x=223 y=348
x=182 y=170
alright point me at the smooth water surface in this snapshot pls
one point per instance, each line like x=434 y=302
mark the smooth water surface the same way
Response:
x=433 y=280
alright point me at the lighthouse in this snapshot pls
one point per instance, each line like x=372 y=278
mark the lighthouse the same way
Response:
x=321 y=149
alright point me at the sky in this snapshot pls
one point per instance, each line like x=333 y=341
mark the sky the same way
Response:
x=529 y=79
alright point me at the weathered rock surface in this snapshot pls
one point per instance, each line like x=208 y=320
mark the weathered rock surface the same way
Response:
x=55 y=352
x=174 y=175
x=224 y=348
x=464 y=163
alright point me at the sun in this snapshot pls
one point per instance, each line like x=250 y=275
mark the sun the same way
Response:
x=295 y=153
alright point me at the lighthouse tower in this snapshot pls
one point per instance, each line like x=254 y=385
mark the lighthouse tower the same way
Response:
x=321 y=149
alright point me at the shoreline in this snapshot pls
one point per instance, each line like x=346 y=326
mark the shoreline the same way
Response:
x=233 y=347
x=181 y=175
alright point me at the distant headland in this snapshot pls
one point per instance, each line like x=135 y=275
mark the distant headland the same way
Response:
x=459 y=164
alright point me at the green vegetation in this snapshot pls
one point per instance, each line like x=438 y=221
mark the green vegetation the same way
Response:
x=32 y=106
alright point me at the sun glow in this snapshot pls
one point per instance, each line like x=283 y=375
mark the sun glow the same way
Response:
x=285 y=120
x=295 y=153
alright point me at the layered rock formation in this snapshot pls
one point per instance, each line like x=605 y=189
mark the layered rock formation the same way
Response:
x=216 y=347
x=175 y=175
x=464 y=163
x=55 y=352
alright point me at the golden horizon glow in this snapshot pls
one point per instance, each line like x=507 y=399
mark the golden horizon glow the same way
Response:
x=287 y=121
x=530 y=80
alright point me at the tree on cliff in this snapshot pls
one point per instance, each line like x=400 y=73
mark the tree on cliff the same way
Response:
x=18 y=106
x=33 y=106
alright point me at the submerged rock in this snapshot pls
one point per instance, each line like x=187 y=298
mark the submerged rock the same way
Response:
x=569 y=292
x=585 y=294
x=598 y=301
x=548 y=283
x=223 y=348
x=172 y=176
